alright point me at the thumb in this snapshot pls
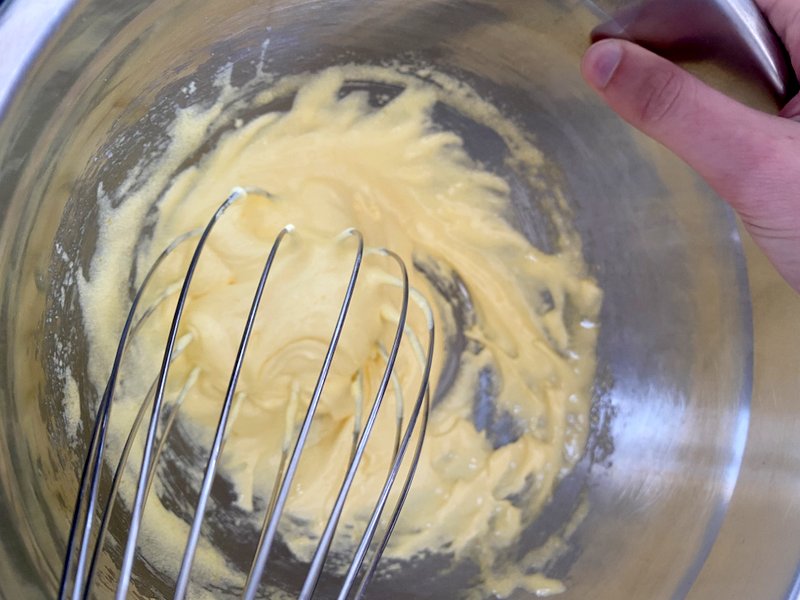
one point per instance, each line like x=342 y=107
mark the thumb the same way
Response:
x=750 y=158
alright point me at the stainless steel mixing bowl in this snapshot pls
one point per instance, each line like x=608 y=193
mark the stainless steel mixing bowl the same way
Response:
x=672 y=400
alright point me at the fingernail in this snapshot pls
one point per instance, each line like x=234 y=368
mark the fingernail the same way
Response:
x=601 y=62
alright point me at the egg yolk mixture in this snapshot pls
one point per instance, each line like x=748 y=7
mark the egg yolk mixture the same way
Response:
x=516 y=328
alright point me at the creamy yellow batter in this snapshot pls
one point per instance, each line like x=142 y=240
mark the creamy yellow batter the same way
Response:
x=332 y=163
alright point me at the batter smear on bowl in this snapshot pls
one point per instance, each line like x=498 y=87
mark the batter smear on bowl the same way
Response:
x=514 y=362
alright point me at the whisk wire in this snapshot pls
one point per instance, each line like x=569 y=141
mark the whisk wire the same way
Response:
x=90 y=475
x=108 y=509
x=147 y=455
x=265 y=545
x=324 y=543
x=211 y=468
x=421 y=405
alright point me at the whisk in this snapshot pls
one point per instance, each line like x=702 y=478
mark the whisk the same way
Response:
x=80 y=564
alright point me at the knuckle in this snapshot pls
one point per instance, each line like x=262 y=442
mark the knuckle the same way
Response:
x=661 y=96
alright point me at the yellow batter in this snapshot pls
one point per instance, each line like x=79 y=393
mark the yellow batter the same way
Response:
x=332 y=163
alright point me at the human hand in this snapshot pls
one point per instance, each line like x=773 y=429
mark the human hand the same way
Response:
x=751 y=159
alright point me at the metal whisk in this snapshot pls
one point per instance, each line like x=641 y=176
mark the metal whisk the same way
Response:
x=82 y=555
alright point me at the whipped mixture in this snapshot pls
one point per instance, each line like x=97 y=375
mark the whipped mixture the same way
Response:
x=514 y=358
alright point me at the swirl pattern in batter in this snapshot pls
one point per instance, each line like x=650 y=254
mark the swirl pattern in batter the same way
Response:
x=514 y=361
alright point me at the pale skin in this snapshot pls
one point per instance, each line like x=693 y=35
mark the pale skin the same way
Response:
x=751 y=158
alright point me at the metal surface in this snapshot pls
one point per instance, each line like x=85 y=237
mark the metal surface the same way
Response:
x=672 y=405
x=731 y=31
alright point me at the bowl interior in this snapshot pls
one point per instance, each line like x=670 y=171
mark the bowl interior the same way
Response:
x=672 y=392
